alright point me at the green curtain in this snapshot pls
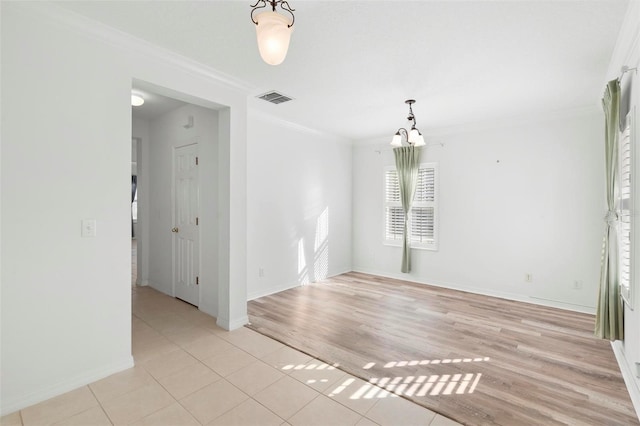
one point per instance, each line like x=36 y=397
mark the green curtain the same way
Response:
x=407 y=164
x=610 y=311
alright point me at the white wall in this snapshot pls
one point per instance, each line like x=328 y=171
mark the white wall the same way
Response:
x=166 y=133
x=299 y=206
x=66 y=153
x=627 y=53
x=525 y=198
x=66 y=156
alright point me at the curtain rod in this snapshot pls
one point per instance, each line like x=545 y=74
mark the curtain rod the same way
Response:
x=426 y=145
x=625 y=69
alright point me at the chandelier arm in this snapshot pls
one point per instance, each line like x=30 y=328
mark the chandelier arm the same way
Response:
x=419 y=140
x=284 y=5
x=256 y=7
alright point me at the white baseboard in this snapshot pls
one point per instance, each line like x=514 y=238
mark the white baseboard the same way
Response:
x=208 y=309
x=271 y=290
x=477 y=290
x=154 y=285
x=231 y=325
x=341 y=271
x=627 y=374
x=11 y=404
x=277 y=289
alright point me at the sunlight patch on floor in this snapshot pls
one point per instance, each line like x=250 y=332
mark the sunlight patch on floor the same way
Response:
x=311 y=366
x=393 y=364
x=411 y=386
x=416 y=386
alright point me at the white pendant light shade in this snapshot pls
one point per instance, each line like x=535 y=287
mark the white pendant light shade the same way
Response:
x=397 y=140
x=273 y=33
x=415 y=138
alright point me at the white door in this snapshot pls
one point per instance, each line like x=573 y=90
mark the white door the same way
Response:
x=186 y=235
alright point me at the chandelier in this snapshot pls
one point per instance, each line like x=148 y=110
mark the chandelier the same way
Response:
x=413 y=136
x=273 y=30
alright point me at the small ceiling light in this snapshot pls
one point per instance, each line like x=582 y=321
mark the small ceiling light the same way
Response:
x=136 y=100
x=413 y=136
x=273 y=30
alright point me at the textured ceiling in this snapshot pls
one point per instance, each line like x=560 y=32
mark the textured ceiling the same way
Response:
x=351 y=64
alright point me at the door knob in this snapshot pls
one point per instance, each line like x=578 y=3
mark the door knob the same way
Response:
x=174 y=229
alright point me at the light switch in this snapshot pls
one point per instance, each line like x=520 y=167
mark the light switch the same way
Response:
x=88 y=227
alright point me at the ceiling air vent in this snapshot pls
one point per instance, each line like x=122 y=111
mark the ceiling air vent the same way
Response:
x=274 y=97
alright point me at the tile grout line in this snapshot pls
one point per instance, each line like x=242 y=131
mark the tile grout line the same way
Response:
x=258 y=359
x=99 y=404
x=225 y=378
x=169 y=393
x=250 y=396
x=319 y=392
x=287 y=419
x=224 y=338
x=206 y=366
x=167 y=390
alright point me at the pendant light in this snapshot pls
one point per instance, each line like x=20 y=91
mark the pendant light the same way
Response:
x=413 y=136
x=273 y=30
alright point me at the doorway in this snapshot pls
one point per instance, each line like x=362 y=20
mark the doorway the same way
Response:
x=177 y=221
x=135 y=141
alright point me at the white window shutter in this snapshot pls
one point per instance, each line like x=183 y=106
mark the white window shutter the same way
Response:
x=625 y=201
x=423 y=216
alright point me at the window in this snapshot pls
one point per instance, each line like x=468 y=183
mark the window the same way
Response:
x=625 y=162
x=423 y=217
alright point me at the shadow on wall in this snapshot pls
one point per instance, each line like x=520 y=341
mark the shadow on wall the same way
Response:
x=315 y=266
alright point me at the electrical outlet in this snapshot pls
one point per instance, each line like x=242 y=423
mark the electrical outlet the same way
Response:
x=577 y=285
x=528 y=277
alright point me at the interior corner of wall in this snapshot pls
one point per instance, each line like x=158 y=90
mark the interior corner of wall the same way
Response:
x=209 y=309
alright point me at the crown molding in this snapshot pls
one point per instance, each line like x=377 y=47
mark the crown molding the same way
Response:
x=129 y=43
x=260 y=114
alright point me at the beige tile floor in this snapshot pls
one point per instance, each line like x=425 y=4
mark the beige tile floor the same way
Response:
x=191 y=372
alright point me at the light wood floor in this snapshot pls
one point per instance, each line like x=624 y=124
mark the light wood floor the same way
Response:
x=476 y=359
